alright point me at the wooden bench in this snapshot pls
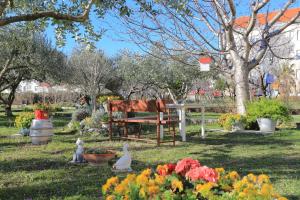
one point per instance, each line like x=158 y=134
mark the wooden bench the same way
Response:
x=148 y=106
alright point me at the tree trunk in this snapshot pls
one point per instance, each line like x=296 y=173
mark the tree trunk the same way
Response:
x=8 y=111
x=241 y=77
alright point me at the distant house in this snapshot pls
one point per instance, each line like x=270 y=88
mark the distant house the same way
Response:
x=34 y=86
x=292 y=34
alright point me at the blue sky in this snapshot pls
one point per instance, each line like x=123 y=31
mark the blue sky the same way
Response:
x=110 y=43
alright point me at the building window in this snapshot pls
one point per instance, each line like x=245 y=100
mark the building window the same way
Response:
x=298 y=73
x=297 y=54
x=298 y=34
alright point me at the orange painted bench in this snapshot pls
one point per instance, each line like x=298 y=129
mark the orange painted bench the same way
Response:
x=151 y=106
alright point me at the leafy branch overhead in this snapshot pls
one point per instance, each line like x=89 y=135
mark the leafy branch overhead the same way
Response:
x=66 y=16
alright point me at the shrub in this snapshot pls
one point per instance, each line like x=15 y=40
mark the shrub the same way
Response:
x=23 y=120
x=42 y=106
x=88 y=122
x=105 y=98
x=105 y=118
x=96 y=151
x=80 y=114
x=229 y=119
x=188 y=179
x=56 y=108
x=74 y=126
x=267 y=108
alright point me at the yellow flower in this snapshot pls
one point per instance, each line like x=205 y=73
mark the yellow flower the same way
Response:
x=238 y=186
x=113 y=180
x=220 y=170
x=153 y=190
x=242 y=195
x=252 y=177
x=176 y=184
x=146 y=172
x=131 y=177
x=205 y=187
x=233 y=175
x=263 y=179
x=120 y=189
x=141 y=179
x=142 y=193
x=266 y=189
x=159 y=179
x=110 y=197
x=282 y=198
x=105 y=187
x=126 y=197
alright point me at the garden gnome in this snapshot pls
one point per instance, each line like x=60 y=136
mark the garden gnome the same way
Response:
x=77 y=156
x=124 y=163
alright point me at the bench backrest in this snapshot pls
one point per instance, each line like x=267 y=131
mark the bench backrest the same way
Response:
x=137 y=106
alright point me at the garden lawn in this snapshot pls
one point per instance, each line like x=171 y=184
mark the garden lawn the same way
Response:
x=44 y=172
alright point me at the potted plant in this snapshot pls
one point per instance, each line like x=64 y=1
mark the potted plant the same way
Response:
x=267 y=112
x=98 y=155
x=41 y=111
x=232 y=122
x=23 y=122
x=105 y=120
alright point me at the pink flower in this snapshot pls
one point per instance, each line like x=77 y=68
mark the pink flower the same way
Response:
x=185 y=165
x=204 y=173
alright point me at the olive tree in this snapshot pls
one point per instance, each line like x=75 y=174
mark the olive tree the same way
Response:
x=25 y=56
x=91 y=71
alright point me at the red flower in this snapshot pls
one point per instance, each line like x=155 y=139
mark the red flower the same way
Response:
x=204 y=173
x=166 y=169
x=185 y=165
x=171 y=167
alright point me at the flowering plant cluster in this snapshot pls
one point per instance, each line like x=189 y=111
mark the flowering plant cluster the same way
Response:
x=229 y=119
x=188 y=179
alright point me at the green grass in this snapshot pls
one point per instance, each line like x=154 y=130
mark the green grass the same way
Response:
x=44 y=172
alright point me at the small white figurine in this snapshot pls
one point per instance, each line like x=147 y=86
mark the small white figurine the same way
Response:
x=124 y=163
x=77 y=156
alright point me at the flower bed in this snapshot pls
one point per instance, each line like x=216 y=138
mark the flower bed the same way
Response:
x=188 y=179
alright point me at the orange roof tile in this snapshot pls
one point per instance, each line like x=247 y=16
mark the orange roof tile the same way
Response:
x=262 y=18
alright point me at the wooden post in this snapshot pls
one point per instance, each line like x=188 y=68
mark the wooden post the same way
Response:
x=126 y=124
x=202 y=122
x=161 y=132
x=158 y=123
x=110 y=120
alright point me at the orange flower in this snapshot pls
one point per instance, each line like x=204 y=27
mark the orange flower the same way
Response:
x=152 y=190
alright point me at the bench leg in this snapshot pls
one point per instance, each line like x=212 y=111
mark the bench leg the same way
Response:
x=126 y=130
x=174 y=132
x=158 y=134
x=110 y=131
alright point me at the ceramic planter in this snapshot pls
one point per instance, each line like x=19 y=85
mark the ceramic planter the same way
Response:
x=266 y=125
x=97 y=159
x=41 y=114
x=238 y=126
x=298 y=125
x=105 y=125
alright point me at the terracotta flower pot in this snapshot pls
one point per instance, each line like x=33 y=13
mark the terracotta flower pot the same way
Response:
x=99 y=158
x=41 y=114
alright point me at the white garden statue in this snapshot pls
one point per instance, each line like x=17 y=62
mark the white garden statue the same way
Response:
x=77 y=156
x=124 y=163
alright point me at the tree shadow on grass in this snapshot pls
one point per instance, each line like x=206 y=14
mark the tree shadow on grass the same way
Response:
x=230 y=140
x=33 y=164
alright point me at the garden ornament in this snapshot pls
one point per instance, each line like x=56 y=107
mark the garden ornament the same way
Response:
x=124 y=163
x=77 y=156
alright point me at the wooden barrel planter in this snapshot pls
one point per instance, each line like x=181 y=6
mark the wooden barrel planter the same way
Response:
x=41 y=131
